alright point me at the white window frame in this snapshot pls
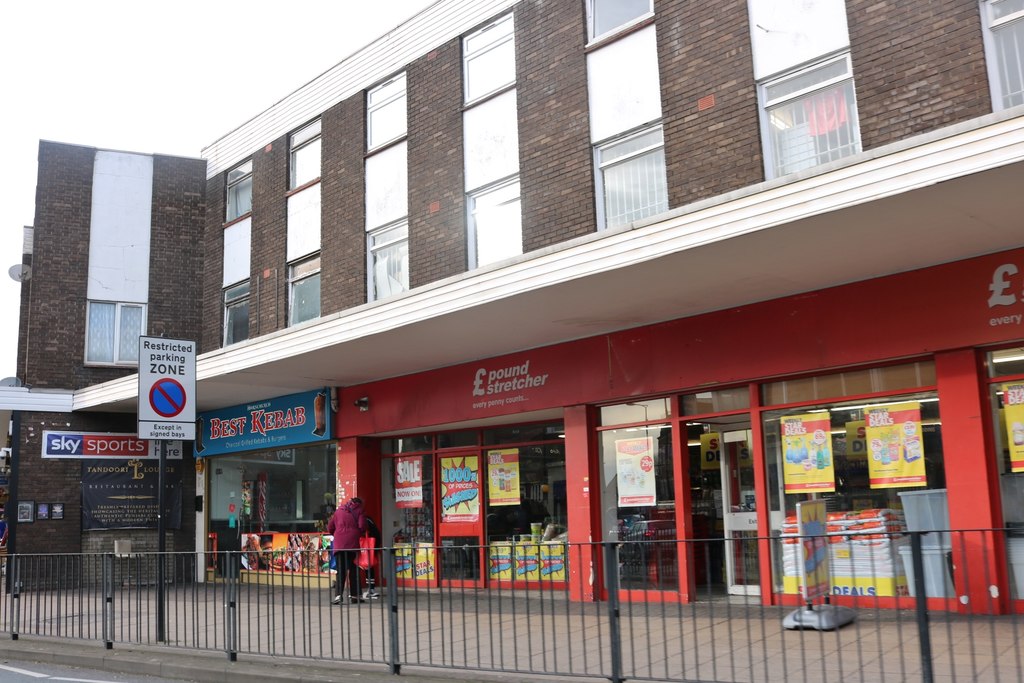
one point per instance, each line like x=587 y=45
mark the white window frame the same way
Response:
x=601 y=165
x=381 y=101
x=482 y=43
x=237 y=177
x=503 y=190
x=120 y=359
x=996 y=66
x=303 y=143
x=765 y=105
x=298 y=273
x=233 y=299
x=593 y=10
x=373 y=248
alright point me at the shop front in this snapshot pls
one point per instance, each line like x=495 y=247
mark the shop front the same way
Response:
x=269 y=470
x=701 y=435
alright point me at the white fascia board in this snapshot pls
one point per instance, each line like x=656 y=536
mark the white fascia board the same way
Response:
x=889 y=171
x=35 y=400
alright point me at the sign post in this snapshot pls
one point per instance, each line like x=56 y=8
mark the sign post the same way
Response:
x=166 y=410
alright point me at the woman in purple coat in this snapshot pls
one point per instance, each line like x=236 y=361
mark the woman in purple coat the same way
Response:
x=347 y=524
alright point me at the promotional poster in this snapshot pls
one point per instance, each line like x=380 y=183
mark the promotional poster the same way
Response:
x=895 y=448
x=634 y=464
x=123 y=494
x=809 y=465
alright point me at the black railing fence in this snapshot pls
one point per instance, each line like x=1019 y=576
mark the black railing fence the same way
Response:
x=604 y=610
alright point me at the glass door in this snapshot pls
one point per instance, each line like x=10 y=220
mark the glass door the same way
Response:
x=461 y=526
x=739 y=511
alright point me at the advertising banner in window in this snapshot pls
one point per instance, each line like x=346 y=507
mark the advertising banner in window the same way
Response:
x=460 y=489
x=275 y=423
x=856 y=443
x=634 y=464
x=809 y=465
x=503 y=476
x=1013 y=405
x=710 y=451
x=123 y=494
x=895 y=447
x=409 y=481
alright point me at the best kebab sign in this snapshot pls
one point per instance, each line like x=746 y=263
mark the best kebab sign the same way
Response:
x=167 y=388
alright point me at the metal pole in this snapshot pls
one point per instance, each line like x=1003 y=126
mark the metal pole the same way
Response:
x=108 y=600
x=611 y=574
x=392 y=580
x=161 y=545
x=923 y=633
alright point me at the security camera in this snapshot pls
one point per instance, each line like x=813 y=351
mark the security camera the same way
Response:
x=362 y=403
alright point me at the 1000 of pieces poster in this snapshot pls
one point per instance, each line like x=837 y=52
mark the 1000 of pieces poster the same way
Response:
x=123 y=494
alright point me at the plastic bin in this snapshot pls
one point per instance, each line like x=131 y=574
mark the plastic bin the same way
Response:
x=938 y=583
x=928 y=511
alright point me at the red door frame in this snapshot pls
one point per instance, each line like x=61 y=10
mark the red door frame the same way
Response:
x=463 y=529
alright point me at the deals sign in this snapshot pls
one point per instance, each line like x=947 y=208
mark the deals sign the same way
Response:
x=460 y=489
x=808 y=462
x=503 y=476
x=1013 y=407
x=409 y=481
x=895 y=448
x=710 y=452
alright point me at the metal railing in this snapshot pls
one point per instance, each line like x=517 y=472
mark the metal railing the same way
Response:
x=604 y=610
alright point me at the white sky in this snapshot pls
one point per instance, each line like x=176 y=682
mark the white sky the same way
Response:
x=152 y=77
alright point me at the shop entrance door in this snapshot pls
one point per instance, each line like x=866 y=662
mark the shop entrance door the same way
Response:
x=461 y=528
x=739 y=512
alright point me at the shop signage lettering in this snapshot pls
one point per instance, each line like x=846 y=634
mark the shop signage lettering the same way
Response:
x=275 y=423
x=93 y=445
x=498 y=382
x=1002 y=294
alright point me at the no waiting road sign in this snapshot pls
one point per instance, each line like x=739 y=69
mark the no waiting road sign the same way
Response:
x=167 y=388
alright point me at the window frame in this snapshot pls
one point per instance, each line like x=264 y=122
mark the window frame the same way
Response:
x=472 y=232
x=119 y=306
x=385 y=104
x=300 y=141
x=765 y=105
x=298 y=275
x=242 y=172
x=991 y=27
x=592 y=13
x=600 y=166
x=469 y=54
x=372 y=250
x=231 y=302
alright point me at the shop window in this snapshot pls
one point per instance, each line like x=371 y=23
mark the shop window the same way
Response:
x=113 y=331
x=457 y=439
x=809 y=117
x=304 y=290
x=1006 y=362
x=1006 y=367
x=239 y=192
x=605 y=16
x=386 y=118
x=406 y=444
x=496 y=227
x=631 y=178
x=388 y=252
x=236 y=313
x=1004 y=46
x=850 y=382
x=526 y=493
x=638 y=503
x=489 y=59
x=524 y=433
x=305 y=155
x=717 y=401
x=409 y=516
x=637 y=411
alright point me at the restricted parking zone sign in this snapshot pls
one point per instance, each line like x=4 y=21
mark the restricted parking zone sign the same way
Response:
x=167 y=389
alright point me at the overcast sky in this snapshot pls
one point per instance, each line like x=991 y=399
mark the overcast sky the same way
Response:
x=152 y=77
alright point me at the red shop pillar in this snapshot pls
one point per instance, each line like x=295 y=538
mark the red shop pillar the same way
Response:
x=972 y=483
x=359 y=472
x=582 y=496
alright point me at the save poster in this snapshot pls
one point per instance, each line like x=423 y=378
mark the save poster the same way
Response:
x=808 y=462
x=460 y=489
x=895 y=448
x=1013 y=407
x=503 y=476
x=634 y=465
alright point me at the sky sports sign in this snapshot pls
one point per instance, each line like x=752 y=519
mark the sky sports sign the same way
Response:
x=80 y=445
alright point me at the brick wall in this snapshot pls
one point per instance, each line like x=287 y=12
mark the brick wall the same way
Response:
x=555 y=158
x=268 y=300
x=437 y=221
x=343 y=234
x=916 y=66
x=703 y=52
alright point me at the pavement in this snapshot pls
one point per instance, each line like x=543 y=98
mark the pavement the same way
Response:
x=204 y=666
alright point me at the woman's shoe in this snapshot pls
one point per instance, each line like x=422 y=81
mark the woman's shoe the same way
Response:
x=355 y=600
x=336 y=600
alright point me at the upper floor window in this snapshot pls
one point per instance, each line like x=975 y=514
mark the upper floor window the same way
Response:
x=496 y=230
x=389 y=260
x=236 y=313
x=809 y=117
x=631 y=178
x=239 y=196
x=304 y=290
x=489 y=59
x=113 y=331
x=605 y=16
x=1005 y=47
x=386 y=118
x=305 y=155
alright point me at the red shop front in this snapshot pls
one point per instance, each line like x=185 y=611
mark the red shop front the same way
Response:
x=714 y=406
